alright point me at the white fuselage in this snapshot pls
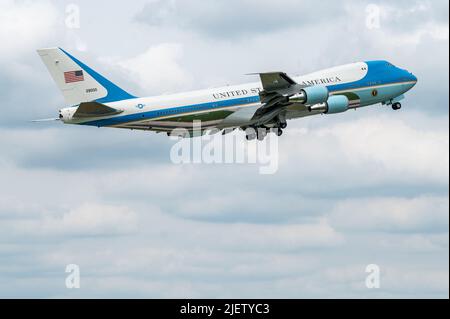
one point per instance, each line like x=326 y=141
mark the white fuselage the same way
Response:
x=365 y=83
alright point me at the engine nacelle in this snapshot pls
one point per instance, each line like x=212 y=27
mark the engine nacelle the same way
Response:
x=316 y=94
x=311 y=95
x=335 y=104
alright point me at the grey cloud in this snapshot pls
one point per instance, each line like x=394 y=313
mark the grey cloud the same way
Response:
x=405 y=34
x=234 y=19
x=76 y=148
x=126 y=166
x=423 y=214
x=230 y=19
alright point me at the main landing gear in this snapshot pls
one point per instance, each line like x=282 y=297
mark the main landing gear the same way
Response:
x=260 y=133
x=279 y=131
x=250 y=134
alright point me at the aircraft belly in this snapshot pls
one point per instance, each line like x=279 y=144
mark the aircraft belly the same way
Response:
x=204 y=117
x=208 y=119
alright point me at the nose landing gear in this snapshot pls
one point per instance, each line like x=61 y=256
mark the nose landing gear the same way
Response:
x=396 y=106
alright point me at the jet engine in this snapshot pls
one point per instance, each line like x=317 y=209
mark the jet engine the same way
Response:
x=311 y=95
x=335 y=104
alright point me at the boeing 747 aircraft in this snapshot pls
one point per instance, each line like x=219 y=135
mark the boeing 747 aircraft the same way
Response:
x=257 y=108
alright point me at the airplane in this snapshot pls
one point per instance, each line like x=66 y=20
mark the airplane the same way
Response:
x=257 y=108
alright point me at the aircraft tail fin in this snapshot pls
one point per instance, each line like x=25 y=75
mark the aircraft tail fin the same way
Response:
x=78 y=82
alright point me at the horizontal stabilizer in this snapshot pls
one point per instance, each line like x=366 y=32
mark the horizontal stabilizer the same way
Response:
x=94 y=109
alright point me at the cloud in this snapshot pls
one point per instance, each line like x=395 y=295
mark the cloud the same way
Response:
x=374 y=149
x=93 y=220
x=393 y=278
x=24 y=24
x=230 y=19
x=77 y=148
x=425 y=242
x=423 y=214
x=353 y=189
x=83 y=221
x=290 y=238
x=426 y=21
x=158 y=69
x=321 y=160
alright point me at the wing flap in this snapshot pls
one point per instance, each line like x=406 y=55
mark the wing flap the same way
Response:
x=278 y=87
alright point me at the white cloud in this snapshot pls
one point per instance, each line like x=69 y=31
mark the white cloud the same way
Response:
x=414 y=242
x=410 y=279
x=230 y=19
x=83 y=221
x=373 y=149
x=435 y=29
x=290 y=237
x=159 y=69
x=25 y=24
x=422 y=214
x=393 y=278
x=93 y=219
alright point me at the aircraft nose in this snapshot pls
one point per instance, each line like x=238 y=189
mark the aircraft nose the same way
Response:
x=408 y=76
x=412 y=79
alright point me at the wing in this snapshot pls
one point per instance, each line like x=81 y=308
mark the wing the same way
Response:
x=282 y=95
x=278 y=89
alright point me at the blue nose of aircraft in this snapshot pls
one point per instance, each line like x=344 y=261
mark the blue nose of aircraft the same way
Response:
x=409 y=77
x=413 y=78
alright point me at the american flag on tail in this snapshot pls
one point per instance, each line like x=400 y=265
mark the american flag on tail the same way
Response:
x=73 y=76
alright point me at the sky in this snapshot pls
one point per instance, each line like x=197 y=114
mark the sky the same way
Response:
x=354 y=189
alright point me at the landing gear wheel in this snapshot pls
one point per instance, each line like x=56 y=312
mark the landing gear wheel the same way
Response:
x=279 y=132
x=250 y=137
x=396 y=106
x=283 y=125
x=261 y=134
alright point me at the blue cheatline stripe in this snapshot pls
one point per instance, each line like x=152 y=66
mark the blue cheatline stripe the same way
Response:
x=115 y=93
x=180 y=110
